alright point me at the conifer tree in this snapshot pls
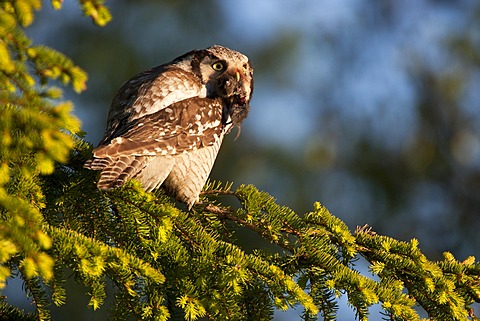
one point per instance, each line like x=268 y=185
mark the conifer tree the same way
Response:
x=167 y=263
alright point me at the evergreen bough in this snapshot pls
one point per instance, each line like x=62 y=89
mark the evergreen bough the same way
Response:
x=167 y=263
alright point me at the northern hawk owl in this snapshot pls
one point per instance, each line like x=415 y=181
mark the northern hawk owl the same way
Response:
x=166 y=124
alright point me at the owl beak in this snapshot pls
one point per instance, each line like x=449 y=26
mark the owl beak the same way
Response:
x=237 y=74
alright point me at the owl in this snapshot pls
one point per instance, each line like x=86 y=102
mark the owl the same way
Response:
x=165 y=125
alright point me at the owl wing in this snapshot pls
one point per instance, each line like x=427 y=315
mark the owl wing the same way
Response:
x=184 y=126
x=150 y=92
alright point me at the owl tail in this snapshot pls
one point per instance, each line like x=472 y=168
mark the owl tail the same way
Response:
x=116 y=171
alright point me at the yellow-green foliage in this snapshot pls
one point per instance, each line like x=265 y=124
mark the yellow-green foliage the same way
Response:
x=167 y=263
x=36 y=131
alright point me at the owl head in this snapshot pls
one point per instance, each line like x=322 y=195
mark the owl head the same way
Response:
x=226 y=74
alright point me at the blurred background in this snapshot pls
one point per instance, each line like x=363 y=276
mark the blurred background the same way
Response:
x=370 y=107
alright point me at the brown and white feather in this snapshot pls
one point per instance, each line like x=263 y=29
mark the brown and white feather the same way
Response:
x=166 y=125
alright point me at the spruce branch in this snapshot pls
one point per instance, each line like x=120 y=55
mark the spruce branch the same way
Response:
x=397 y=263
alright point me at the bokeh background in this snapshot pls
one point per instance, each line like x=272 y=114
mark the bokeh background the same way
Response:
x=370 y=107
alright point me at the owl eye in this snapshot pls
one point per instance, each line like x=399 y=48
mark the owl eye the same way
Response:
x=218 y=66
